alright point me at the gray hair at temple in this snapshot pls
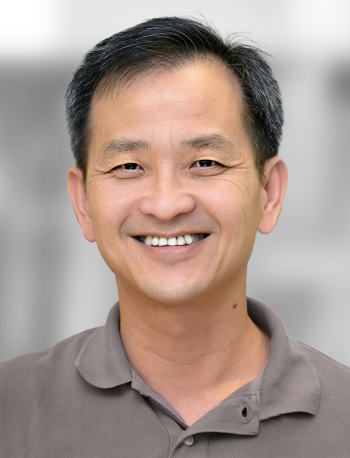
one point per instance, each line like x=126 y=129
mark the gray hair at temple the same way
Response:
x=168 y=43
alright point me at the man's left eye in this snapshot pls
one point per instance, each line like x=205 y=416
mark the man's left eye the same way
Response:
x=205 y=163
x=129 y=166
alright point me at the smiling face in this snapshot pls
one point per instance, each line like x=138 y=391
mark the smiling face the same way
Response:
x=169 y=156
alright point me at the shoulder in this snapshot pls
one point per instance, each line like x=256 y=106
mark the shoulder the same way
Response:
x=37 y=390
x=334 y=380
x=331 y=372
x=35 y=369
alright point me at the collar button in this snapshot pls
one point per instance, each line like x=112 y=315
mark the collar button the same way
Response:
x=189 y=441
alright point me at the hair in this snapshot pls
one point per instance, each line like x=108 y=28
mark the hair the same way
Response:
x=168 y=43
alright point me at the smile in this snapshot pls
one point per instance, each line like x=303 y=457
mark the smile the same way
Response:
x=186 y=239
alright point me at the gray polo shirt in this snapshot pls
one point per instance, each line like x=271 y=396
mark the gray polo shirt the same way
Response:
x=81 y=398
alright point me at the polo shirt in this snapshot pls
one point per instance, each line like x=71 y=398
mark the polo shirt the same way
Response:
x=81 y=398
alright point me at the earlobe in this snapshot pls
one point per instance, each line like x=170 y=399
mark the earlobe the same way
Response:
x=274 y=191
x=80 y=202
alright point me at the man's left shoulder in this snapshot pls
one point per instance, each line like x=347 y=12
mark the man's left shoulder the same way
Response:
x=334 y=377
x=328 y=367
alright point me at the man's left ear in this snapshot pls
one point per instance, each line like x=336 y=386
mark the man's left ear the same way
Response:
x=274 y=191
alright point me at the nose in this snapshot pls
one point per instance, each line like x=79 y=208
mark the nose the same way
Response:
x=167 y=197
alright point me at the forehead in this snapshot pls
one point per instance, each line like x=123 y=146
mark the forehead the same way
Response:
x=196 y=98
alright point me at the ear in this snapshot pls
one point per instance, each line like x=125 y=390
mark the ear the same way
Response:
x=80 y=202
x=274 y=191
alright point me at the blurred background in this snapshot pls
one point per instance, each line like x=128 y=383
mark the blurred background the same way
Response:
x=53 y=283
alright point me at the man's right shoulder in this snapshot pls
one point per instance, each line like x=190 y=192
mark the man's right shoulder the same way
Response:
x=22 y=375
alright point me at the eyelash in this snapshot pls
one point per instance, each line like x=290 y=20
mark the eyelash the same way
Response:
x=207 y=160
x=200 y=160
x=128 y=163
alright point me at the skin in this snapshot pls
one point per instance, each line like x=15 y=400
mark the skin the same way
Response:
x=184 y=322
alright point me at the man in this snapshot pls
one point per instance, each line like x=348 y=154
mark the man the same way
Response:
x=175 y=134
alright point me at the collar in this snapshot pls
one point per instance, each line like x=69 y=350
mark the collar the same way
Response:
x=289 y=381
x=102 y=361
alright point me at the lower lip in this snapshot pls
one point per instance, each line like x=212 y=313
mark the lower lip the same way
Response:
x=176 y=250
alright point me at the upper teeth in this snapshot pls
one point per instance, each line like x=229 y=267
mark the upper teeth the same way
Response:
x=180 y=240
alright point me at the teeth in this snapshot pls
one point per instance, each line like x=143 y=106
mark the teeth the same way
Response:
x=155 y=241
x=148 y=240
x=186 y=239
x=181 y=240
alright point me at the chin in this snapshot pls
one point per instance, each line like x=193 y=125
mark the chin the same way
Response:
x=173 y=295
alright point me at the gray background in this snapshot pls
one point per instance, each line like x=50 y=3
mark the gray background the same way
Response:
x=53 y=283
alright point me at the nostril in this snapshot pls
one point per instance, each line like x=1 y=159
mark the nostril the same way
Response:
x=245 y=412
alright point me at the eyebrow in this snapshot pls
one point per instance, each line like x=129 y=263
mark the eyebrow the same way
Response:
x=213 y=141
x=122 y=145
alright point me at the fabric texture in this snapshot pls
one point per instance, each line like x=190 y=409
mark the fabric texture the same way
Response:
x=81 y=398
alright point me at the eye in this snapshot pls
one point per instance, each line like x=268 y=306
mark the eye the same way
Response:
x=129 y=166
x=205 y=163
x=127 y=170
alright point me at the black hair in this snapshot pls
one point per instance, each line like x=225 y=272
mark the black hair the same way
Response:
x=169 y=42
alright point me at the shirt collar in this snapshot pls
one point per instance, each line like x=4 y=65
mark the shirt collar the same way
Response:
x=102 y=361
x=289 y=383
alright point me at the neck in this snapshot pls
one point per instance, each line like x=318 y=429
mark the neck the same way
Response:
x=185 y=350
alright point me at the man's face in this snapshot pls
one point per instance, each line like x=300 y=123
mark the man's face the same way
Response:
x=190 y=170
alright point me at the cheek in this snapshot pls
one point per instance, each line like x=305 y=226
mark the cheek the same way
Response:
x=237 y=209
x=110 y=207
